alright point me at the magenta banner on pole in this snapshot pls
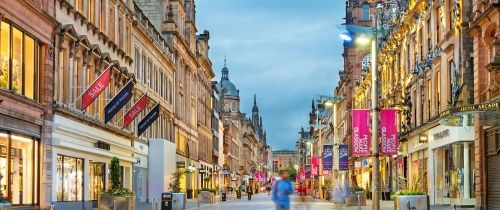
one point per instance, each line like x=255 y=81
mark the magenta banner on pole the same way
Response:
x=360 y=132
x=388 y=132
x=314 y=166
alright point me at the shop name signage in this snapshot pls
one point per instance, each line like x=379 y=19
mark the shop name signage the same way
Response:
x=102 y=145
x=473 y=108
x=423 y=138
x=181 y=164
x=441 y=134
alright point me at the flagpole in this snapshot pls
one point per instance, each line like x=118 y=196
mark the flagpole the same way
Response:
x=79 y=97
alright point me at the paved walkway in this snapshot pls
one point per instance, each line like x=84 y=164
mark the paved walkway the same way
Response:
x=263 y=202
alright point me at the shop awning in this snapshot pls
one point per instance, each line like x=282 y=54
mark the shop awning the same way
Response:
x=480 y=114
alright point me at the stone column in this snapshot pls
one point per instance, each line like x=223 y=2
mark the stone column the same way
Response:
x=466 y=171
x=46 y=94
x=117 y=30
x=106 y=25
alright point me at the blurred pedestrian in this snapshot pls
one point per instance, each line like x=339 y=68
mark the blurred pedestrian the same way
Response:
x=303 y=194
x=249 y=192
x=281 y=191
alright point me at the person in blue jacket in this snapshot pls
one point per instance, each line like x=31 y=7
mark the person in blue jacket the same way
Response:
x=281 y=191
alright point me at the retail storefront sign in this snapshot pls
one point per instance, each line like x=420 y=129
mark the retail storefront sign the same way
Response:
x=441 y=134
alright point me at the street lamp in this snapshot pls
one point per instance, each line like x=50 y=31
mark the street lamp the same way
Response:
x=363 y=39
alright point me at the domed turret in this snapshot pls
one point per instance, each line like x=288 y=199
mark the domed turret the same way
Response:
x=229 y=89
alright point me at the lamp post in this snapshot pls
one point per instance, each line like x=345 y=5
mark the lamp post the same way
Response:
x=374 y=106
x=327 y=101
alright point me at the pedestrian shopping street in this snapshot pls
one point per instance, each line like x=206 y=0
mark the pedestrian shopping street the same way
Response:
x=263 y=201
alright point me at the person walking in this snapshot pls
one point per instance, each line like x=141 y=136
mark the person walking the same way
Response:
x=249 y=192
x=281 y=191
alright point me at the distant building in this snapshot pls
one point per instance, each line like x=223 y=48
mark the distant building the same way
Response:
x=283 y=159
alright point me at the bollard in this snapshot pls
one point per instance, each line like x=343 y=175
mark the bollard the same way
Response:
x=153 y=204
x=114 y=204
x=359 y=202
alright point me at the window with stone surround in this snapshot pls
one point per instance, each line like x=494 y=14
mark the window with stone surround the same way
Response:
x=19 y=55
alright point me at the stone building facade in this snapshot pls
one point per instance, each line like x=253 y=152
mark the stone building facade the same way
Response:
x=154 y=70
x=425 y=70
x=93 y=35
x=26 y=94
x=175 y=20
x=485 y=32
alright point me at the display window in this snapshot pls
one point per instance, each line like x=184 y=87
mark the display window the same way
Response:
x=97 y=173
x=69 y=178
x=18 y=57
x=453 y=165
x=18 y=168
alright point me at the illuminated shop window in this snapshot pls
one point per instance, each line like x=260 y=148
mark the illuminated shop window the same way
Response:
x=18 y=53
x=69 y=178
x=20 y=186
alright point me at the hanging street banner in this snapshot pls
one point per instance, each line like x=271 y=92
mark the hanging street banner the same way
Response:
x=135 y=110
x=148 y=119
x=302 y=174
x=343 y=157
x=96 y=88
x=118 y=102
x=327 y=157
x=388 y=132
x=361 y=132
x=314 y=166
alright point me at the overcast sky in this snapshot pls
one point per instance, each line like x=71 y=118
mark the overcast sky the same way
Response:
x=285 y=51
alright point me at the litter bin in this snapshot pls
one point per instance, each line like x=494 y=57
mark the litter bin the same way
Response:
x=166 y=201
x=223 y=196
x=238 y=194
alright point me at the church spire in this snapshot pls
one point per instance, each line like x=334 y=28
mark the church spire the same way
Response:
x=255 y=108
x=225 y=70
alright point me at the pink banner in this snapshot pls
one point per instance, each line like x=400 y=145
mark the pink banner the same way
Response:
x=302 y=174
x=314 y=166
x=388 y=132
x=261 y=177
x=361 y=132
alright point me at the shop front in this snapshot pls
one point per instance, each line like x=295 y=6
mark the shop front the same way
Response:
x=418 y=162
x=363 y=174
x=453 y=165
x=206 y=175
x=19 y=167
x=141 y=172
x=399 y=168
x=82 y=155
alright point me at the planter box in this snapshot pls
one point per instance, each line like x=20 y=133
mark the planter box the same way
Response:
x=179 y=199
x=107 y=202
x=206 y=197
x=417 y=202
x=5 y=206
x=352 y=199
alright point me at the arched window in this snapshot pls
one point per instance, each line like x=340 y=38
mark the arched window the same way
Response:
x=366 y=12
x=366 y=62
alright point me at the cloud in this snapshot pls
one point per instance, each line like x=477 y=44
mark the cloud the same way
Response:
x=285 y=51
